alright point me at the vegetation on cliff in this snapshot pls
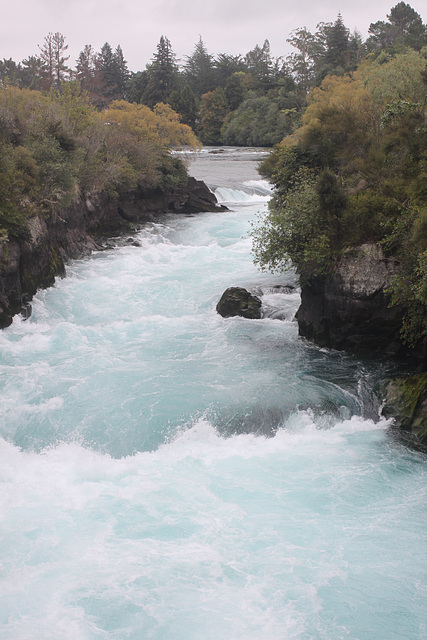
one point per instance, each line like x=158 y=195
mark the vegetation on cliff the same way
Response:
x=56 y=147
x=355 y=171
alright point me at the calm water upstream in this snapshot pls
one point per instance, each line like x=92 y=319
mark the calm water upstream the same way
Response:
x=168 y=474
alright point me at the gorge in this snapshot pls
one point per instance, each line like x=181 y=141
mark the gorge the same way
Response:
x=167 y=470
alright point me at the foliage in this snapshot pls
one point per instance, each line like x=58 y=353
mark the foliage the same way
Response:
x=53 y=60
x=199 y=70
x=404 y=28
x=55 y=147
x=213 y=111
x=257 y=122
x=161 y=74
x=355 y=171
x=296 y=230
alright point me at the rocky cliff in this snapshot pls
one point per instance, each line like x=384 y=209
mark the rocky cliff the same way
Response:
x=350 y=309
x=406 y=402
x=33 y=263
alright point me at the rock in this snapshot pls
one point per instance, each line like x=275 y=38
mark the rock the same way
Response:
x=406 y=402
x=33 y=263
x=350 y=309
x=236 y=301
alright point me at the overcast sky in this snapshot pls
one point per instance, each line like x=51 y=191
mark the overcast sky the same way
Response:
x=226 y=26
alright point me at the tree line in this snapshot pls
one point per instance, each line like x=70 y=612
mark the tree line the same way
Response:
x=253 y=99
x=355 y=171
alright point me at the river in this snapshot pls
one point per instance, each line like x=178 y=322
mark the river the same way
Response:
x=168 y=474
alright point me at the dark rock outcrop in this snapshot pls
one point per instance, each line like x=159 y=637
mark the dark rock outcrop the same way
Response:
x=33 y=263
x=350 y=309
x=406 y=402
x=236 y=301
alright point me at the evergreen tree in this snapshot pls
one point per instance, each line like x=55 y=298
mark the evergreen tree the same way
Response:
x=111 y=73
x=185 y=104
x=53 y=59
x=162 y=74
x=10 y=72
x=122 y=71
x=32 y=72
x=136 y=86
x=261 y=65
x=226 y=65
x=106 y=71
x=337 y=44
x=199 y=70
x=404 y=28
x=85 y=68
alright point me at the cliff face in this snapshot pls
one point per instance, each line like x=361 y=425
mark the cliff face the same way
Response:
x=26 y=266
x=350 y=309
x=406 y=402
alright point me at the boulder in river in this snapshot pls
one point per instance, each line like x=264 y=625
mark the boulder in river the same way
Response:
x=237 y=301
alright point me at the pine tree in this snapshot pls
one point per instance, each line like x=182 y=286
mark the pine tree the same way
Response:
x=261 y=65
x=85 y=68
x=337 y=43
x=162 y=74
x=122 y=71
x=404 y=28
x=32 y=73
x=199 y=70
x=53 y=59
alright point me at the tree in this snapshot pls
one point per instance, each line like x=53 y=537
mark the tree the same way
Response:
x=302 y=64
x=404 y=28
x=226 y=65
x=10 y=72
x=261 y=65
x=213 y=111
x=53 y=59
x=199 y=70
x=236 y=88
x=122 y=71
x=337 y=44
x=32 y=73
x=136 y=85
x=161 y=74
x=257 y=122
x=86 y=69
x=184 y=102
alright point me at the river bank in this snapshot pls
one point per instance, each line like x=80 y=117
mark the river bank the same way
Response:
x=32 y=263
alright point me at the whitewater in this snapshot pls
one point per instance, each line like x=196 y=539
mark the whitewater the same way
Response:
x=168 y=474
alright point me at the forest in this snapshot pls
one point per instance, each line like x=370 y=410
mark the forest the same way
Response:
x=247 y=100
x=346 y=118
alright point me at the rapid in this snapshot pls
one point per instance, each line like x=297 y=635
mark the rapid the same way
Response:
x=168 y=474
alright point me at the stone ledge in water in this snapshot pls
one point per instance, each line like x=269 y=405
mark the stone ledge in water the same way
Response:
x=236 y=301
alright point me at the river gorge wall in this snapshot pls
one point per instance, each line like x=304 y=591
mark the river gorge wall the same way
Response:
x=29 y=264
x=350 y=309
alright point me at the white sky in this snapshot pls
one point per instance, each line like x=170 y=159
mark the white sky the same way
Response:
x=226 y=26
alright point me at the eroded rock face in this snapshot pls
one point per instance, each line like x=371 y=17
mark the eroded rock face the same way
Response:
x=236 y=301
x=406 y=402
x=350 y=309
x=33 y=263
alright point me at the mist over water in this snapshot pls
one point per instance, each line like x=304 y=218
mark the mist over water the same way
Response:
x=168 y=474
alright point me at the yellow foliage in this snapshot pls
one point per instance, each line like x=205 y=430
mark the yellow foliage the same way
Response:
x=160 y=125
x=342 y=94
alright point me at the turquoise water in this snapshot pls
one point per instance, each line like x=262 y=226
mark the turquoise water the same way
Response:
x=169 y=474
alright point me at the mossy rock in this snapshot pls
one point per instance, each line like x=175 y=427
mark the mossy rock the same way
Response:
x=236 y=301
x=406 y=402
